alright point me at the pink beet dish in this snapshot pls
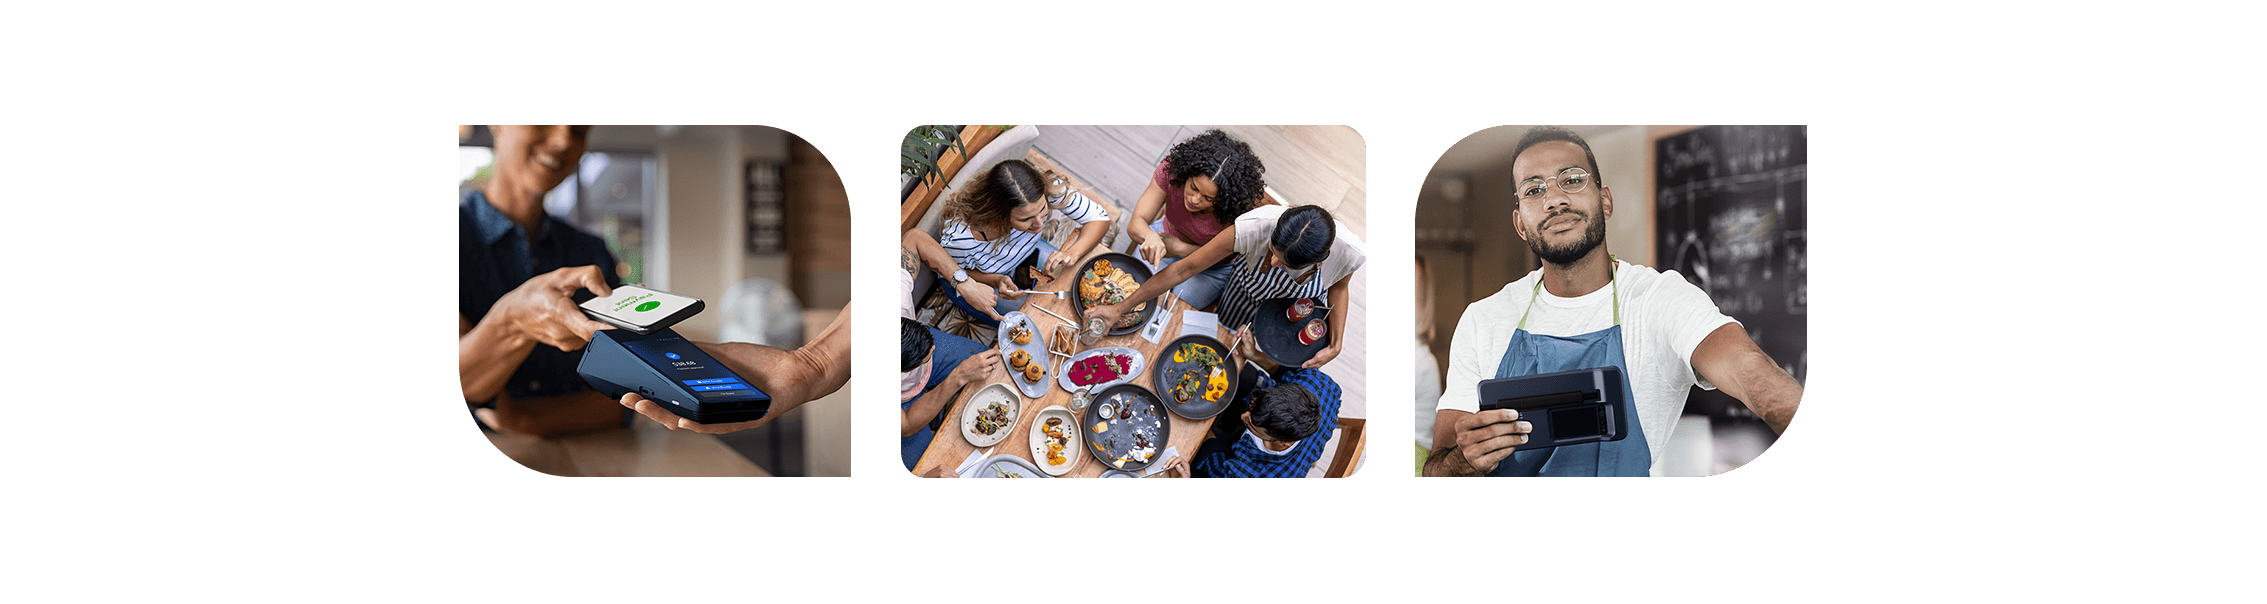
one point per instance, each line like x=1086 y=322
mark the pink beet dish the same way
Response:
x=1099 y=369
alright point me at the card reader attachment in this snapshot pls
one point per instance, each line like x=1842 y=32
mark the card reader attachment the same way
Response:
x=1565 y=408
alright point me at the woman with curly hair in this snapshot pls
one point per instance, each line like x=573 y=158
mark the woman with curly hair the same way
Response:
x=1199 y=189
x=992 y=226
x=1292 y=252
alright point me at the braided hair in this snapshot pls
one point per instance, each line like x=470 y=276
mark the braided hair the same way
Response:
x=1304 y=234
x=1228 y=162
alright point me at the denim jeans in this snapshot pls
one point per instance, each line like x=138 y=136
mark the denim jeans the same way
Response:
x=1204 y=288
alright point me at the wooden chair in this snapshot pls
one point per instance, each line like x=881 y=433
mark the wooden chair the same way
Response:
x=1351 y=434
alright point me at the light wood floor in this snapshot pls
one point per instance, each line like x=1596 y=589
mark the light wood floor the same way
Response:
x=1306 y=165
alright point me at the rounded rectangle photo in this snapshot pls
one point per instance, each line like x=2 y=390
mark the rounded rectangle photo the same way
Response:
x=1132 y=301
x=654 y=300
x=1610 y=300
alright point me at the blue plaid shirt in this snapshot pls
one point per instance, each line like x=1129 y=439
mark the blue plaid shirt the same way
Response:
x=1246 y=460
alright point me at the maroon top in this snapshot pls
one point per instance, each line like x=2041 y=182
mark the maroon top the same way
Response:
x=1197 y=229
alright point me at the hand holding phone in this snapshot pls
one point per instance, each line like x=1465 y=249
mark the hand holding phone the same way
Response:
x=640 y=310
x=543 y=308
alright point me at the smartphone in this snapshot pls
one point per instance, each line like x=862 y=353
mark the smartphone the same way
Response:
x=642 y=311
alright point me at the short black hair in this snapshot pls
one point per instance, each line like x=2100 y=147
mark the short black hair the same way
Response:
x=913 y=344
x=1230 y=164
x=1286 y=412
x=1303 y=234
x=1544 y=134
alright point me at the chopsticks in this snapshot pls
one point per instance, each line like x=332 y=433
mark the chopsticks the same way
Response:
x=1052 y=314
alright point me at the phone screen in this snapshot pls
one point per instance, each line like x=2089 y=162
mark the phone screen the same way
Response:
x=638 y=306
x=679 y=359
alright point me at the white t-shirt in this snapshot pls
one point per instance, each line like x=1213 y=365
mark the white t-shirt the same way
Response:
x=980 y=255
x=905 y=294
x=1257 y=226
x=1428 y=394
x=1664 y=318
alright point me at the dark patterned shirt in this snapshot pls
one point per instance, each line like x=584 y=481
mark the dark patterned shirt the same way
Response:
x=495 y=255
x=1246 y=459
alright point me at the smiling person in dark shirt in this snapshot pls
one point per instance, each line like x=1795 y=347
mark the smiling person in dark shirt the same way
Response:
x=519 y=334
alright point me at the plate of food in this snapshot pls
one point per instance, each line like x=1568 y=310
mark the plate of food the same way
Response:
x=1055 y=440
x=1063 y=343
x=989 y=416
x=1099 y=368
x=1126 y=428
x=1005 y=466
x=1194 y=376
x=1024 y=348
x=1107 y=279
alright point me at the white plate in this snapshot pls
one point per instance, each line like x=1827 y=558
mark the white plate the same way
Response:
x=1005 y=466
x=1037 y=349
x=1039 y=440
x=996 y=392
x=1063 y=369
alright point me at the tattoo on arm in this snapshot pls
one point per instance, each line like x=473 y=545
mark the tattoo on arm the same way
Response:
x=908 y=260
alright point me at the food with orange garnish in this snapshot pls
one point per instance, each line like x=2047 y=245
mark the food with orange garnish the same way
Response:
x=1104 y=285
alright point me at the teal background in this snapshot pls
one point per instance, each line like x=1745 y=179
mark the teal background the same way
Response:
x=2030 y=223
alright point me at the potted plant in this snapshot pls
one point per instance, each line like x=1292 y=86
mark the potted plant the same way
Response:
x=918 y=157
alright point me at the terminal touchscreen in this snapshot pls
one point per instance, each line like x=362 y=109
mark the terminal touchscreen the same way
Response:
x=672 y=371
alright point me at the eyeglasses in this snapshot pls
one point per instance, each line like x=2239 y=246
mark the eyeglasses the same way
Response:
x=1570 y=180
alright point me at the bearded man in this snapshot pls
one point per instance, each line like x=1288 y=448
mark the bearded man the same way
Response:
x=1584 y=310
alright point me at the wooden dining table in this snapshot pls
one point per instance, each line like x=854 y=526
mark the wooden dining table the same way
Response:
x=951 y=446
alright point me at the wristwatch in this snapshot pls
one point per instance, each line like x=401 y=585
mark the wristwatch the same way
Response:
x=960 y=275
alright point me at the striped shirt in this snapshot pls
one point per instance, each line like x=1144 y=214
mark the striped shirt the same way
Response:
x=1253 y=282
x=1246 y=459
x=982 y=256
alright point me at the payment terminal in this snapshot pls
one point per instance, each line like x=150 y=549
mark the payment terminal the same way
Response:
x=669 y=370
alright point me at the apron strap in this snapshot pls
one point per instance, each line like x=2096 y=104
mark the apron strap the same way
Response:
x=1614 y=266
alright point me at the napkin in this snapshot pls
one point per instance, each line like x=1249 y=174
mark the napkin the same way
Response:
x=1160 y=467
x=1200 y=323
x=968 y=466
x=1156 y=327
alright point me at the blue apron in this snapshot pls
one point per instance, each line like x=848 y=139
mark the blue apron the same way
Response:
x=1531 y=354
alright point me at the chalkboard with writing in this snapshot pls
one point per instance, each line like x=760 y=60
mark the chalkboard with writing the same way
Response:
x=1729 y=201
